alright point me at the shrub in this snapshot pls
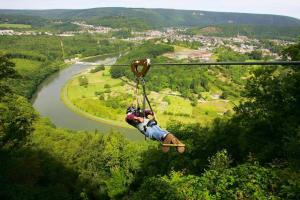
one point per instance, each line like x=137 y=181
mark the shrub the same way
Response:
x=224 y=95
x=97 y=69
x=83 y=81
x=106 y=86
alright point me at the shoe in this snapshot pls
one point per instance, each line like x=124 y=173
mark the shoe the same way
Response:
x=171 y=141
x=181 y=147
x=167 y=140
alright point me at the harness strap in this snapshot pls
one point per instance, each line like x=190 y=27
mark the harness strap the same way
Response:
x=146 y=99
x=140 y=78
x=136 y=94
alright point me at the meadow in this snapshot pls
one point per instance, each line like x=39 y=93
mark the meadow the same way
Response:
x=108 y=98
x=15 y=26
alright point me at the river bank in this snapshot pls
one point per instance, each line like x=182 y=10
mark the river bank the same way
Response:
x=71 y=106
x=106 y=99
x=48 y=103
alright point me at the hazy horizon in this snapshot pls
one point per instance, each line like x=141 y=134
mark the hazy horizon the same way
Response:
x=274 y=7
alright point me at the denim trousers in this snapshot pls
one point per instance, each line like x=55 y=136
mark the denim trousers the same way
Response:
x=155 y=132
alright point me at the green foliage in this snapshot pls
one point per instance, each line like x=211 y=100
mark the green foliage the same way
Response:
x=226 y=54
x=60 y=27
x=83 y=81
x=59 y=164
x=146 y=50
x=250 y=30
x=6 y=68
x=15 y=26
x=30 y=21
x=220 y=161
x=106 y=86
x=17 y=115
x=256 y=55
x=120 y=22
x=245 y=181
x=194 y=100
x=97 y=69
x=269 y=90
x=199 y=80
x=92 y=45
x=105 y=166
x=187 y=44
x=167 y=99
x=270 y=45
x=224 y=95
x=122 y=33
x=149 y=18
x=37 y=57
x=293 y=52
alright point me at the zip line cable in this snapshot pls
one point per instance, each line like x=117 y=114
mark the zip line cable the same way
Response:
x=284 y=63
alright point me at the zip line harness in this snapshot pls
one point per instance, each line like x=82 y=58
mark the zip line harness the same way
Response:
x=139 y=78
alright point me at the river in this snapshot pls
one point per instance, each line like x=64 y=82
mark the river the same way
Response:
x=48 y=103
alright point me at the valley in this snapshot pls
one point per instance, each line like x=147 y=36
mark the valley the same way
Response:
x=64 y=95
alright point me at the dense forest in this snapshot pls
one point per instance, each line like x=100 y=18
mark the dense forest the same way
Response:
x=252 y=155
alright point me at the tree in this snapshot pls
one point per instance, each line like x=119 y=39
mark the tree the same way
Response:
x=256 y=55
x=17 y=115
x=6 y=71
x=226 y=54
x=6 y=68
x=220 y=181
x=97 y=69
x=292 y=52
x=107 y=86
x=224 y=95
x=83 y=81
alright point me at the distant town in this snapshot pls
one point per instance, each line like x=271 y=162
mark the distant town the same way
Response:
x=204 y=52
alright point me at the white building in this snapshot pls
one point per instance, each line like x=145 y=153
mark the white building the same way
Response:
x=6 y=32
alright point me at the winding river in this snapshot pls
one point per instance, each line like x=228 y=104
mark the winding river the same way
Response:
x=48 y=103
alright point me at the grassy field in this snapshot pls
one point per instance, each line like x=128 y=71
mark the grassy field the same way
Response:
x=25 y=66
x=108 y=98
x=15 y=26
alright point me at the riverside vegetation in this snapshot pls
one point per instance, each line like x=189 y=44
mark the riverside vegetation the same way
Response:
x=254 y=154
x=36 y=57
x=201 y=95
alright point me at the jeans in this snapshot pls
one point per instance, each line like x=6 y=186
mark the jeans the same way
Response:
x=155 y=132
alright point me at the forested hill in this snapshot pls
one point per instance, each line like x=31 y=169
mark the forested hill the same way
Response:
x=158 y=17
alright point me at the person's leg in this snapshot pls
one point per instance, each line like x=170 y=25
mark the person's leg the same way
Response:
x=156 y=132
x=164 y=136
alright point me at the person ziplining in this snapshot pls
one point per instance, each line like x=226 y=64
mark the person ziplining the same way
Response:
x=144 y=119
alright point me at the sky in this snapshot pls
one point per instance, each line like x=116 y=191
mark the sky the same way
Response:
x=279 y=7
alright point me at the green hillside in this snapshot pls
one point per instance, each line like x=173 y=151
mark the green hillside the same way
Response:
x=253 y=31
x=161 y=17
x=228 y=24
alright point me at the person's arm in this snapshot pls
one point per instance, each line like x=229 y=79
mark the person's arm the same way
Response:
x=130 y=117
x=140 y=119
x=149 y=112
